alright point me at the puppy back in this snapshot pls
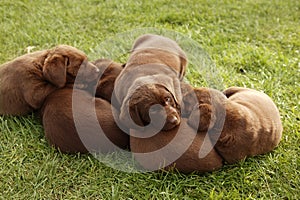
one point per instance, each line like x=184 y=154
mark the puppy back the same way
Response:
x=177 y=148
x=252 y=127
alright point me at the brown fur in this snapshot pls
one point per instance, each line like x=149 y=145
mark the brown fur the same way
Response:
x=155 y=101
x=186 y=88
x=184 y=150
x=251 y=122
x=110 y=71
x=27 y=80
x=155 y=62
x=60 y=130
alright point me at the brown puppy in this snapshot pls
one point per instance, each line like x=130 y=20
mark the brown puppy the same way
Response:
x=142 y=100
x=242 y=122
x=109 y=71
x=154 y=101
x=181 y=148
x=186 y=88
x=27 y=80
x=72 y=119
x=151 y=77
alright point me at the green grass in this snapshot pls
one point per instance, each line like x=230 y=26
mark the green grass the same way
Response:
x=253 y=43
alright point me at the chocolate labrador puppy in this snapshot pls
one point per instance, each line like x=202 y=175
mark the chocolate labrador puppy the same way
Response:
x=150 y=83
x=181 y=148
x=27 y=80
x=241 y=122
x=109 y=71
x=75 y=121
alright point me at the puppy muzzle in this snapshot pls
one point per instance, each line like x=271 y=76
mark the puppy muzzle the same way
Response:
x=173 y=119
x=90 y=71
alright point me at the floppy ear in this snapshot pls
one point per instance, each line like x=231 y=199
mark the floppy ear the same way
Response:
x=188 y=101
x=202 y=117
x=55 y=69
x=183 y=64
x=135 y=115
x=129 y=116
x=232 y=90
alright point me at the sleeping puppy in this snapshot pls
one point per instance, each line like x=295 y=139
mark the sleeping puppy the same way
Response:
x=109 y=71
x=71 y=125
x=241 y=122
x=27 y=80
x=186 y=88
x=151 y=79
x=180 y=148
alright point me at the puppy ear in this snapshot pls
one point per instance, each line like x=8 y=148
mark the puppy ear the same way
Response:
x=55 y=69
x=189 y=99
x=135 y=115
x=183 y=64
x=232 y=90
x=202 y=117
x=129 y=116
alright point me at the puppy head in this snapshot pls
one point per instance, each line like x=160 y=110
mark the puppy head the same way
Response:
x=63 y=63
x=86 y=77
x=204 y=107
x=188 y=99
x=156 y=102
x=109 y=71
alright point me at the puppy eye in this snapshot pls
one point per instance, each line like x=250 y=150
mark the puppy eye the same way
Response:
x=168 y=99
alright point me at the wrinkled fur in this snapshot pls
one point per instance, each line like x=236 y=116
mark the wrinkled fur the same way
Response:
x=155 y=61
x=180 y=145
x=242 y=122
x=27 y=80
x=60 y=130
x=144 y=102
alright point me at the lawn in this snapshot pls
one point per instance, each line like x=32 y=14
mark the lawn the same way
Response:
x=250 y=43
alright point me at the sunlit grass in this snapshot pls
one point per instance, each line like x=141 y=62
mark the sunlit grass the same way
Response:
x=254 y=44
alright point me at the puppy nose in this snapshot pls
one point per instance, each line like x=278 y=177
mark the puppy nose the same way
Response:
x=97 y=70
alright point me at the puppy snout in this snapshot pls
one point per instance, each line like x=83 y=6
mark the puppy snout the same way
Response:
x=173 y=116
x=174 y=120
x=92 y=71
x=94 y=68
x=172 y=110
x=90 y=67
x=97 y=70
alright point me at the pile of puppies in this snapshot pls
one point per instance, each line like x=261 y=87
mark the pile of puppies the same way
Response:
x=142 y=105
